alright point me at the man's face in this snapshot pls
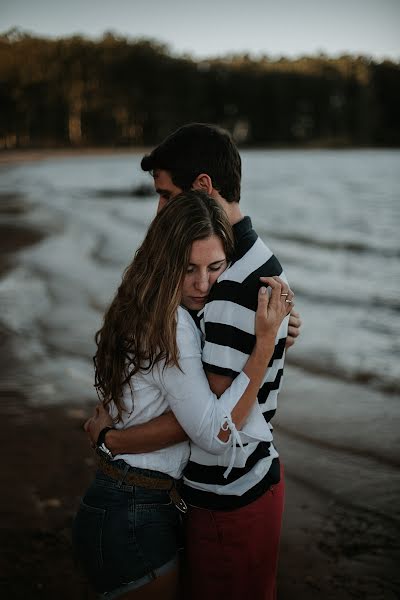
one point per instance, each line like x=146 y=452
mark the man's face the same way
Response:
x=164 y=187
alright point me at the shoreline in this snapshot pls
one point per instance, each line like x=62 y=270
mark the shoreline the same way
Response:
x=32 y=155
x=16 y=156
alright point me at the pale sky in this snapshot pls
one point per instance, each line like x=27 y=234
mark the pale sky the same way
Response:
x=215 y=27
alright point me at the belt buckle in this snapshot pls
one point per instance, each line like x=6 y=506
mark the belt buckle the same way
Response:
x=177 y=500
x=181 y=506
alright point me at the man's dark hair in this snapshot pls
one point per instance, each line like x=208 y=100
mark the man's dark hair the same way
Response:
x=199 y=148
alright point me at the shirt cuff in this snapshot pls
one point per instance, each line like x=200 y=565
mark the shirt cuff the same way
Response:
x=255 y=428
x=226 y=403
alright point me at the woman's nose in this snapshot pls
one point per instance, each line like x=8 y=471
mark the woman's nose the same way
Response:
x=203 y=282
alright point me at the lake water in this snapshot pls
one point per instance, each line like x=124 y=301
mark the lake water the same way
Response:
x=331 y=217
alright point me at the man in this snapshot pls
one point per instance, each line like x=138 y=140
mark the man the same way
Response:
x=233 y=526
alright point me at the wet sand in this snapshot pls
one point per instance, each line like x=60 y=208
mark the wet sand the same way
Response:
x=329 y=549
x=49 y=465
x=340 y=447
x=12 y=236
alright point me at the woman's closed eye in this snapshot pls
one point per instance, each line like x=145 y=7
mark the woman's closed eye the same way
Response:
x=217 y=267
x=212 y=268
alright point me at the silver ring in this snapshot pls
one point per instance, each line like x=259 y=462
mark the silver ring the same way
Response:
x=284 y=294
x=289 y=301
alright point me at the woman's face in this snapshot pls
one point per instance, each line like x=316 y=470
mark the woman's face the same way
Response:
x=207 y=261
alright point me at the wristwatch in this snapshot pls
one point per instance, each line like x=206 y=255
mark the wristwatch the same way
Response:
x=101 y=447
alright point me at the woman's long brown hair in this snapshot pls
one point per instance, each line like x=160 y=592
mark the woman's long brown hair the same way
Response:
x=139 y=327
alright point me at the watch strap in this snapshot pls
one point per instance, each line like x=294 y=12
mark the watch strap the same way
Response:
x=101 y=447
x=102 y=435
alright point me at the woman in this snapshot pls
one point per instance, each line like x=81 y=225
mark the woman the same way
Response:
x=148 y=361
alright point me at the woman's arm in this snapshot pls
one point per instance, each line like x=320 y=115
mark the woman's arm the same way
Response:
x=205 y=419
x=160 y=432
x=269 y=316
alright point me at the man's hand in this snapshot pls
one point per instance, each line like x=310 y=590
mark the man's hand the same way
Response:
x=294 y=328
x=95 y=424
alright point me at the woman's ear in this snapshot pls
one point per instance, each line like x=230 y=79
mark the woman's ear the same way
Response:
x=203 y=182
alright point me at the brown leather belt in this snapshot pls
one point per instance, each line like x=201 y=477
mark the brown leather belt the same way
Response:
x=144 y=481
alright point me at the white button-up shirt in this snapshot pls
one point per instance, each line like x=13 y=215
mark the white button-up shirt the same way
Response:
x=186 y=392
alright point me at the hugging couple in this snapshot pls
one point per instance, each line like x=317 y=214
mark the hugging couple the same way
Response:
x=188 y=495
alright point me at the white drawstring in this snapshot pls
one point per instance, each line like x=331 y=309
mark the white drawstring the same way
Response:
x=229 y=424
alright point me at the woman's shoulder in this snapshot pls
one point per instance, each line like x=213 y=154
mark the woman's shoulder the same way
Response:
x=184 y=319
x=187 y=334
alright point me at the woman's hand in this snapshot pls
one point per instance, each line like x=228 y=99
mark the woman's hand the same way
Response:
x=273 y=308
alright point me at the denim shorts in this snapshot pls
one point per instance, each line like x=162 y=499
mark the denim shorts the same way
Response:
x=125 y=536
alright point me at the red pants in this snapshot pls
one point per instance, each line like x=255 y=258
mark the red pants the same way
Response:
x=234 y=554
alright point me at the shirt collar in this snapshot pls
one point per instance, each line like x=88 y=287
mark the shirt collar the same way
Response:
x=244 y=236
x=241 y=228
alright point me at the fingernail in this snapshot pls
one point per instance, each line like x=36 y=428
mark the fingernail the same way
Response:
x=263 y=290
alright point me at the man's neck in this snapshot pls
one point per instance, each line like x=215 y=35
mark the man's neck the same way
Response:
x=232 y=209
x=234 y=214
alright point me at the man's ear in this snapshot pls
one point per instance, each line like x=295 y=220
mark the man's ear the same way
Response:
x=203 y=182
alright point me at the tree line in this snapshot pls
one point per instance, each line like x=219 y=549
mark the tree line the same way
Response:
x=114 y=91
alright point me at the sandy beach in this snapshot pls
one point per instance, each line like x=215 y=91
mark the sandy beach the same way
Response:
x=338 y=440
